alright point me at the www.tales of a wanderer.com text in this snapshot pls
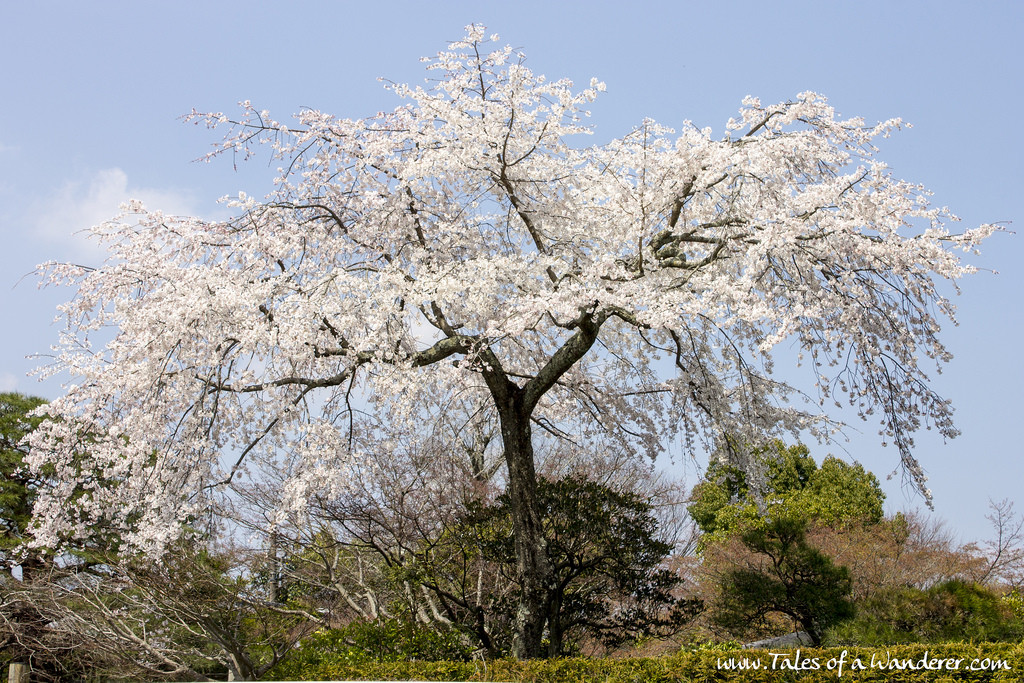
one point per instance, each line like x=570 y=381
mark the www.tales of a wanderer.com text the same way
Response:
x=844 y=662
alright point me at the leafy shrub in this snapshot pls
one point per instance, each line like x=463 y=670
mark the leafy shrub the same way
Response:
x=1015 y=601
x=953 y=610
x=362 y=642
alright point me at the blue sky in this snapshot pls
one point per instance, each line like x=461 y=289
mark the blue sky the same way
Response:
x=93 y=92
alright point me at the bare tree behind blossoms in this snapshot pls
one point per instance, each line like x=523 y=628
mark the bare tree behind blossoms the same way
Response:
x=194 y=615
x=401 y=542
x=1001 y=556
x=630 y=292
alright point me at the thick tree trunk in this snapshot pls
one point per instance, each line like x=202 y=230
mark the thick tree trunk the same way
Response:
x=18 y=672
x=532 y=563
x=515 y=406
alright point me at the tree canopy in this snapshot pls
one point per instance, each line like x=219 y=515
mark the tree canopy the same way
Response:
x=788 y=576
x=608 y=562
x=833 y=494
x=464 y=247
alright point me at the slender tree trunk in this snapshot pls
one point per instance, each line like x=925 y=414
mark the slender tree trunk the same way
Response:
x=555 y=633
x=532 y=562
x=274 y=585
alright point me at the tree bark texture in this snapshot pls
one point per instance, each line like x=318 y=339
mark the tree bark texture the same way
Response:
x=532 y=562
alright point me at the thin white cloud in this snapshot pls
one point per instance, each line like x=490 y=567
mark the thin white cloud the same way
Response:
x=79 y=205
x=8 y=382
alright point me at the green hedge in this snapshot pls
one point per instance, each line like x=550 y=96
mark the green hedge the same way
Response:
x=692 y=667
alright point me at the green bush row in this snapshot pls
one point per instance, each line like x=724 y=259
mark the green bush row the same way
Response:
x=902 y=663
x=387 y=641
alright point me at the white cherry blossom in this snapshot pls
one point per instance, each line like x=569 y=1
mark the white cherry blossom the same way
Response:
x=471 y=244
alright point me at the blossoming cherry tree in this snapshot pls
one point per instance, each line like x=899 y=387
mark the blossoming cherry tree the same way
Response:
x=623 y=295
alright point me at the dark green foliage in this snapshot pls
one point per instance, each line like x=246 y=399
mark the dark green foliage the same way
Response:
x=609 y=581
x=789 y=577
x=953 y=610
x=833 y=494
x=17 y=487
